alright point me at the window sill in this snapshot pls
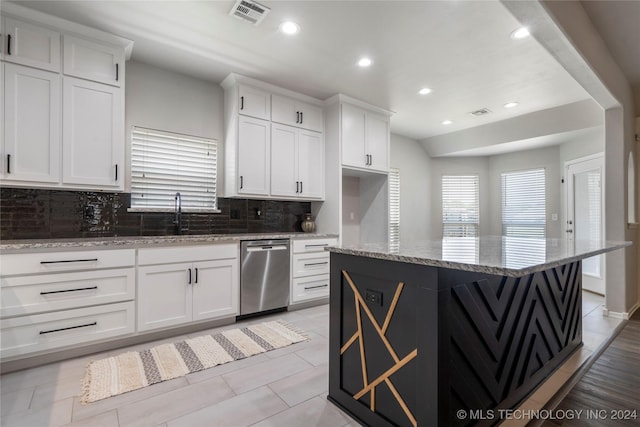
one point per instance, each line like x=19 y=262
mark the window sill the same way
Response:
x=165 y=210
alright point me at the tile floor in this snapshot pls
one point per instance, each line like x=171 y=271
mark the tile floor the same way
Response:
x=284 y=387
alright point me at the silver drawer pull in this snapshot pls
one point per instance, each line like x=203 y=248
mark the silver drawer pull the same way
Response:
x=69 y=260
x=316 y=287
x=68 y=290
x=66 y=329
x=316 y=263
x=317 y=245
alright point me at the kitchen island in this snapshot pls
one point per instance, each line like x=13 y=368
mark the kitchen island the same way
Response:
x=420 y=333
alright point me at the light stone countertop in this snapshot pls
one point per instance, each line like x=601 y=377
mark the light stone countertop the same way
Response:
x=27 y=245
x=504 y=256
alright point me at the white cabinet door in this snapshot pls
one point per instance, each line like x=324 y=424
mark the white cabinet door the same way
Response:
x=216 y=289
x=283 y=110
x=32 y=125
x=311 y=164
x=93 y=61
x=353 y=136
x=93 y=147
x=377 y=145
x=254 y=141
x=310 y=117
x=296 y=113
x=164 y=296
x=254 y=102
x=284 y=175
x=31 y=45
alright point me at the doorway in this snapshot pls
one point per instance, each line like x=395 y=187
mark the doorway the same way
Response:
x=585 y=214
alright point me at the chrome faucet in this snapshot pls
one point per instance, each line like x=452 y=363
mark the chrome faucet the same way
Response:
x=177 y=219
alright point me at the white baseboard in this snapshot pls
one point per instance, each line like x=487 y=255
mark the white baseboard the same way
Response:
x=626 y=315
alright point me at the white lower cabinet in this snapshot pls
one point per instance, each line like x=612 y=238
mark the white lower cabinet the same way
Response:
x=28 y=334
x=310 y=269
x=51 y=300
x=201 y=284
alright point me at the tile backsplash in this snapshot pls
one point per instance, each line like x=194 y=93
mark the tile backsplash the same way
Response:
x=49 y=214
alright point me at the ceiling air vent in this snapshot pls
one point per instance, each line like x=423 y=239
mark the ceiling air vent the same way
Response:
x=250 y=11
x=480 y=112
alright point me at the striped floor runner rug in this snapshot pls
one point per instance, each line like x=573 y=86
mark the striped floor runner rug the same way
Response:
x=134 y=370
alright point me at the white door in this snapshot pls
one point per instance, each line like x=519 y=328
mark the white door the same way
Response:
x=283 y=110
x=311 y=116
x=585 y=219
x=32 y=125
x=93 y=134
x=164 y=295
x=254 y=141
x=31 y=45
x=378 y=142
x=215 y=293
x=311 y=164
x=353 y=131
x=284 y=177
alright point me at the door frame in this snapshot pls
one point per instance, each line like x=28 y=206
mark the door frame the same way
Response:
x=568 y=202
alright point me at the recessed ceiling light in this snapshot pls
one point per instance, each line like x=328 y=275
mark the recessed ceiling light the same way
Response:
x=289 y=27
x=510 y=104
x=365 y=62
x=520 y=33
x=447 y=122
x=424 y=91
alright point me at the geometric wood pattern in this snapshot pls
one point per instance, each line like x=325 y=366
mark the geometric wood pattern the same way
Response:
x=504 y=332
x=385 y=377
x=439 y=339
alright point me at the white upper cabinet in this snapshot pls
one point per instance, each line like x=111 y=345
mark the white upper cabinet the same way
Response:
x=93 y=146
x=31 y=45
x=254 y=144
x=32 y=125
x=254 y=102
x=297 y=163
x=88 y=60
x=274 y=145
x=365 y=139
x=296 y=113
x=62 y=105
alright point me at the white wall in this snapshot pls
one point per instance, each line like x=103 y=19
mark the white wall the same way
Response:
x=416 y=194
x=350 y=210
x=164 y=100
x=460 y=166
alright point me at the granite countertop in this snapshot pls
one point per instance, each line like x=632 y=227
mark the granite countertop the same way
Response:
x=136 y=241
x=505 y=256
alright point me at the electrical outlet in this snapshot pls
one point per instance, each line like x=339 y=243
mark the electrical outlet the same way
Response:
x=373 y=297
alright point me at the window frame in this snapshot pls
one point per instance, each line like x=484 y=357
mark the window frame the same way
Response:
x=135 y=185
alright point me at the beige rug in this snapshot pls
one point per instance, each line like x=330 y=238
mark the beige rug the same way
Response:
x=137 y=369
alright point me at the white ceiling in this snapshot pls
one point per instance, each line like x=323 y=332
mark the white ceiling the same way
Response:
x=460 y=49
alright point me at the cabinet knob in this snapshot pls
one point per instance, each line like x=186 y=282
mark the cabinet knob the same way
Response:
x=8 y=44
x=8 y=163
x=242 y=102
x=301 y=117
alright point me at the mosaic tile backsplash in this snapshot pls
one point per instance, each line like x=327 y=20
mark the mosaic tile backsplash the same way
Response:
x=50 y=214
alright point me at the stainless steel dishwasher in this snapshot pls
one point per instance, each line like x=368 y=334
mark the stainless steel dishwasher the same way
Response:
x=264 y=275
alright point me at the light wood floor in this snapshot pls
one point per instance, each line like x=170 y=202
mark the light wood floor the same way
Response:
x=285 y=387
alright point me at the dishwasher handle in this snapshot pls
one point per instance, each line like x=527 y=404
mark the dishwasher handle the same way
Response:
x=267 y=248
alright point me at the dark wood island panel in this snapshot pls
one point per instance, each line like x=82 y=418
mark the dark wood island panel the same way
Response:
x=415 y=344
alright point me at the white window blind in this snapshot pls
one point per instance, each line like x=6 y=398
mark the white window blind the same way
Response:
x=394 y=207
x=164 y=163
x=460 y=205
x=524 y=203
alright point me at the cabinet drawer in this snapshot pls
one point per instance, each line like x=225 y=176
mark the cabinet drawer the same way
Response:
x=47 y=262
x=308 y=288
x=312 y=245
x=36 y=294
x=27 y=334
x=310 y=264
x=176 y=254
